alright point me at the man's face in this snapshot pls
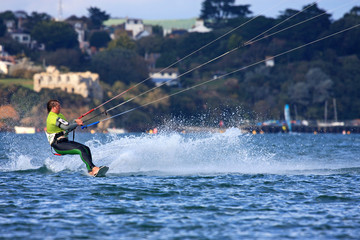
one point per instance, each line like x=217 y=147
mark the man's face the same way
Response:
x=57 y=108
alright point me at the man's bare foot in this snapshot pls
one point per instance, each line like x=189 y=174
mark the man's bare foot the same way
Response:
x=94 y=171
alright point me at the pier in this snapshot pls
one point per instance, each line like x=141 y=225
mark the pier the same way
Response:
x=302 y=129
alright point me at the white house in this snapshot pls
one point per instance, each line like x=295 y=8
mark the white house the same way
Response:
x=269 y=61
x=142 y=34
x=134 y=25
x=5 y=61
x=4 y=67
x=137 y=28
x=200 y=27
x=10 y=25
x=168 y=77
x=21 y=37
x=80 y=27
x=80 y=32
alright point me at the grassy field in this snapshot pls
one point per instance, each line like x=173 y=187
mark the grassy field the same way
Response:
x=166 y=24
x=28 y=83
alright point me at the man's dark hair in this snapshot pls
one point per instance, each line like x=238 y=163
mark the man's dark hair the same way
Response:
x=52 y=103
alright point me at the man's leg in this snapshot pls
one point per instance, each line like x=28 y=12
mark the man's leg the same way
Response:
x=70 y=147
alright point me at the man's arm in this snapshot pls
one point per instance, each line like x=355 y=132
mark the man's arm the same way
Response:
x=61 y=123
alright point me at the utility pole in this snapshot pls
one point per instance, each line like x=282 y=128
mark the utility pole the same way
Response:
x=60 y=13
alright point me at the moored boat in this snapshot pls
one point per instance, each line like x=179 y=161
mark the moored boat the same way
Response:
x=24 y=130
x=116 y=130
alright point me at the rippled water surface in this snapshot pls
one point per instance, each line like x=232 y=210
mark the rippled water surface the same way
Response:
x=176 y=186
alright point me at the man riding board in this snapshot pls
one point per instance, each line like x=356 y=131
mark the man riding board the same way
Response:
x=57 y=130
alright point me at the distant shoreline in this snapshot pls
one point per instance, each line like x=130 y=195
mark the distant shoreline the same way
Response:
x=345 y=130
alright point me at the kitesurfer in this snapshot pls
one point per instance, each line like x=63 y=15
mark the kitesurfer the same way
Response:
x=57 y=130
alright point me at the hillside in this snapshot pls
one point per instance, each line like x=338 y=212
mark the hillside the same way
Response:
x=315 y=70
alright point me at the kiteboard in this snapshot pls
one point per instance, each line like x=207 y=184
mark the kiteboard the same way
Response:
x=102 y=171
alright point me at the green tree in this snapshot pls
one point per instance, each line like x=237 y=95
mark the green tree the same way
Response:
x=36 y=18
x=70 y=58
x=119 y=64
x=13 y=47
x=150 y=44
x=136 y=121
x=2 y=28
x=97 y=17
x=169 y=50
x=321 y=85
x=234 y=41
x=311 y=93
x=346 y=43
x=55 y=35
x=99 y=39
x=158 y=30
x=23 y=100
x=218 y=10
x=307 y=31
x=122 y=40
x=7 y=15
x=186 y=104
x=347 y=87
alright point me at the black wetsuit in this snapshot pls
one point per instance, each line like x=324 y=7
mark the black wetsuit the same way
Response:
x=59 y=129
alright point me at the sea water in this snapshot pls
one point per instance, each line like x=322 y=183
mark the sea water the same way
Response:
x=228 y=185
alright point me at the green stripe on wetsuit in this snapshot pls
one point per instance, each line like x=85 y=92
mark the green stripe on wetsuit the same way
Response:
x=74 y=152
